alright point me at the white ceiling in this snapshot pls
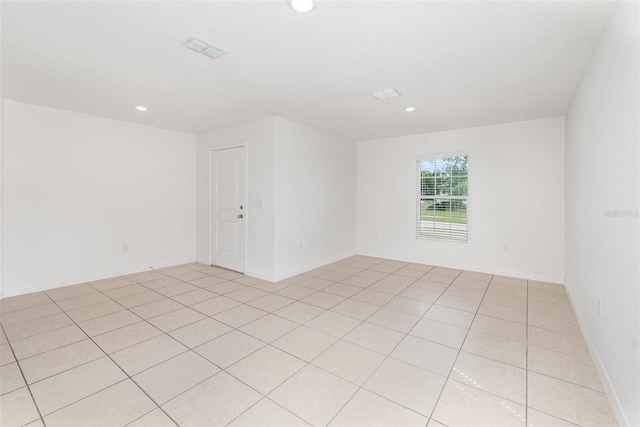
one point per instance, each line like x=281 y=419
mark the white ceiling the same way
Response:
x=462 y=64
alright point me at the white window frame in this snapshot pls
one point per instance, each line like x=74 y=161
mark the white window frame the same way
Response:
x=437 y=230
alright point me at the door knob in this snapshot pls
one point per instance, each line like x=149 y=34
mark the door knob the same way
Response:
x=240 y=216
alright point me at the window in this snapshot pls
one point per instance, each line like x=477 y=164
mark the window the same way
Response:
x=442 y=197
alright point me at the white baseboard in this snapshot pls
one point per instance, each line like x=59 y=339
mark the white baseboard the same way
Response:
x=79 y=280
x=313 y=266
x=261 y=276
x=516 y=274
x=604 y=377
x=202 y=261
x=283 y=276
x=477 y=269
x=508 y=273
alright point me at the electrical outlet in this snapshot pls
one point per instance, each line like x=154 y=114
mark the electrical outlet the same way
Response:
x=504 y=246
x=125 y=247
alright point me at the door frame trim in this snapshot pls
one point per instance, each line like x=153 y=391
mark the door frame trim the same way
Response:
x=223 y=147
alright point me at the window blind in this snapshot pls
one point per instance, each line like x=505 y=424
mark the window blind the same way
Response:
x=442 y=198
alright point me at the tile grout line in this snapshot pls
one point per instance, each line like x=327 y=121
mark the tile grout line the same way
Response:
x=24 y=379
x=387 y=356
x=339 y=339
x=172 y=311
x=305 y=366
x=142 y=320
x=324 y=310
x=307 y=363
x=459 y=349
x=448 y=377
x=119 y=367
x=26 y=308
x=237 y=361
x=98 y=291
x=359 y=387
x=241 y=303
x=66 y=370
x=209 y=316
x=225 y=369
x=507 y=363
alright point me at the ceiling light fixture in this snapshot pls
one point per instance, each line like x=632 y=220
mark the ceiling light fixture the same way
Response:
x=410 y=109
x=141 y=108
x=204 y=48
x=385 y=94
x=303 y=6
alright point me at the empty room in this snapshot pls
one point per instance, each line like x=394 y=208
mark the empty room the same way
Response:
x=320 y=213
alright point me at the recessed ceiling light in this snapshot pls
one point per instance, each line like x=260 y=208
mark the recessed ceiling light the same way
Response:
x=410 y=109
x=302 y=6
x=141 y=108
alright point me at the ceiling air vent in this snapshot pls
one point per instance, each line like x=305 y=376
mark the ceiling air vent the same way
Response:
x=385 y=94
x=212 y=52
x=204 y=48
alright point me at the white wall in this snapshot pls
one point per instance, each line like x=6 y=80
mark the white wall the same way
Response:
x=602 y=138
x=76 y=187
x=315 y=188
x=258 y=137
x=306 y=181
x=516 y=198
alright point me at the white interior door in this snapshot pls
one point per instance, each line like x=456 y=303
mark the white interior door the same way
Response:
x=228 y=208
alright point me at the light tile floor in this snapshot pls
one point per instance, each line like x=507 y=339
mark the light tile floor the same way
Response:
x=363 y=341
